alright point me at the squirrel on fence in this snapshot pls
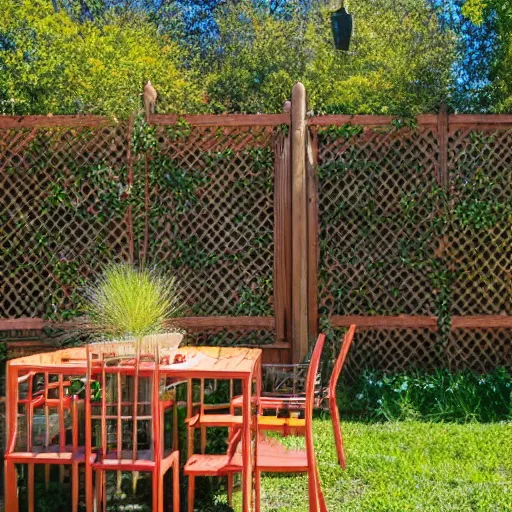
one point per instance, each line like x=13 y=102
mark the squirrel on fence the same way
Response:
x=150 y=96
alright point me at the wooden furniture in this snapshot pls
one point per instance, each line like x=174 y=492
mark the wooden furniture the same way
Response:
x=99 y=366
x=271 y=456
x=224 y=364
x=333 y=405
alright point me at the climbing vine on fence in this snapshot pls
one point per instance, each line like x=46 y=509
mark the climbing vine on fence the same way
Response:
x=394 y=241
x=196 y=202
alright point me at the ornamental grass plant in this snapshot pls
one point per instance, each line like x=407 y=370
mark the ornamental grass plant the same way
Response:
x=128 y=302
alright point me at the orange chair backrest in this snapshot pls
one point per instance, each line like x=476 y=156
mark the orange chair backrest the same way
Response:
x=310 y=395
x=340 y=360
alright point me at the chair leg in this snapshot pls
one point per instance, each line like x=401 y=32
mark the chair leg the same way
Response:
x=155 y=485
x=74 y=487
x=161 y=493
x=98 y=505
x=89 y=499
x=338 y=438
x=257 y=485
x=313 y=490
x=176 y=486
x=11 y=487
x=191 y=492
x=321 y=499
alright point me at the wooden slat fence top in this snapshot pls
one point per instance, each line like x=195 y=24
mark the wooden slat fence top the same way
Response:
x=206 y=322
x=422 y=322
x=207 y=120
x=7 y=122
x=233 y=120
x=489 y=121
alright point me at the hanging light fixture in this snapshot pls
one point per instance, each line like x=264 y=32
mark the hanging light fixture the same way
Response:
x=341 y=23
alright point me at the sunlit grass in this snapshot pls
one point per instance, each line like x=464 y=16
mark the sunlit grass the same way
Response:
x=127 y=301
x=404 y=466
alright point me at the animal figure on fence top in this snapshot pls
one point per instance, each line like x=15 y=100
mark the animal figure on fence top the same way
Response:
x=150 y=96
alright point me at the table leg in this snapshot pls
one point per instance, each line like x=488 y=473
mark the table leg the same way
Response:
x=246 y=445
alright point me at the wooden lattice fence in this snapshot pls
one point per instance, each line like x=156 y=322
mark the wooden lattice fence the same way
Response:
x=400 y=227
x=415 y=235
x=194 y=199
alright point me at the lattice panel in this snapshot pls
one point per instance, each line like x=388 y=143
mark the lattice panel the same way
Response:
x=212 y=217
x=393 y=350
x=377 y=211
x=481 y=350
x=62 y=214
x=226 y=338
x=478 y=244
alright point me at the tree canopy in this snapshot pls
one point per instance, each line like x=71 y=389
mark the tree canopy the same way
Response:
x=52 y=63
x=500 y=13
x=78 y=56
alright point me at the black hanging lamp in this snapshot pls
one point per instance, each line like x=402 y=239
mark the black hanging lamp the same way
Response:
x=342 y=24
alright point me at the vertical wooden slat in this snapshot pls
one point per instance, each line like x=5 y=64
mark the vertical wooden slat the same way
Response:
x=190 y=430
x=88 y=435
x=119 y=430
x=30 y=413
x=442 y=133
x=62 y=428
x=313 y=226
x=299 y=225
x=282 y=238
x=47 y=429
x=129 y=182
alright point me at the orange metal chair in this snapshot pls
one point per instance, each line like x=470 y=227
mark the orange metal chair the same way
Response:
x=333 y=405
x=296 y=403
x=271 y=456
x=42 y=451
x=153 y=459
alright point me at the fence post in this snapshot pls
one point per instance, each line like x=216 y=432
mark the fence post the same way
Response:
x=313 y=227
x=442 y=134
x=282 y=238
x=299 y=225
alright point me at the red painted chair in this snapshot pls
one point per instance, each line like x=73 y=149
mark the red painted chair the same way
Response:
x=271 y=456
x=296 y=403
x=333 y=405
x=40 y=448
x=118 y=452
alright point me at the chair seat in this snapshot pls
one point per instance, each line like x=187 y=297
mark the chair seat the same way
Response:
x=51 y=455
x=272 y=457
x=110 y=462
x=213 y=465
x=219 y=420
x=273 y=423
x=271 y=402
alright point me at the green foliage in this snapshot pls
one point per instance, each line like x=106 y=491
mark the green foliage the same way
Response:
x=438 y=396
x=402 y=206
x=500 y=13
x=53 y=63
x=132 y=302
x=400 y=63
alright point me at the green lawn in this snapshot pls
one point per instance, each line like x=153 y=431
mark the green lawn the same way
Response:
x=402 y=466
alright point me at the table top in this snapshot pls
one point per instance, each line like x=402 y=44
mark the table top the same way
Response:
x=223 y=362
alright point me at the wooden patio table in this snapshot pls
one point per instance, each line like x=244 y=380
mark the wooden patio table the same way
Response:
x=222 y=363
x=226 y=363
